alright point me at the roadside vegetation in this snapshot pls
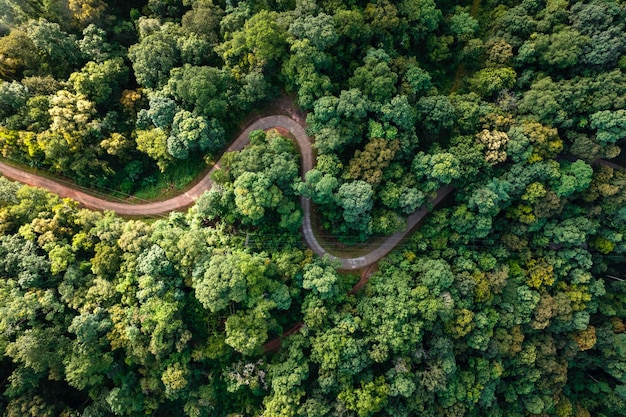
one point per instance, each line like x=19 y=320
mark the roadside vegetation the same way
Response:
x=510 y=300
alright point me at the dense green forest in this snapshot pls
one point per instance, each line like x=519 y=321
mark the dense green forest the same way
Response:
x=509 y=299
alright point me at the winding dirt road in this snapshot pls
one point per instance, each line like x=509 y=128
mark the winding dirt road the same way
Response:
x=188 y=198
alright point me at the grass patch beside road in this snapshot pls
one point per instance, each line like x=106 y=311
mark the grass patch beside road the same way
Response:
x=170 y=183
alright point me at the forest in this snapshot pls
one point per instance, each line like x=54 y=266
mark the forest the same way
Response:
x=507 y=299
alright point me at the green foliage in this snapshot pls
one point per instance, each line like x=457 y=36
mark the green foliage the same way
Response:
x=261 y=43
x=368 y=165
x=224 y=280
x=204 y=19
x=418 y=80
x=257 y=184
x=422 y=15
x=441 y=166
x=13 y=96
x=610 y=125
x=533 y=142
x=318 y=30
x=154 y=57
x=462 y=25
x=321 y=278
x=490 y=81
x=160 y=113
x=366 y=400
x=86 y=12
x=95 y=46
x=318 y=186
x=100 y=81
x=435 y=113
x=58 y=49
x=507 y=299
x=598 y=21
x=335 y=120
x=559 y=50
x=375 y=79
x=191 y=133
x=154 y=143
x=355 y=198
x=203 y=90
x=19 y=53
x=253 y=194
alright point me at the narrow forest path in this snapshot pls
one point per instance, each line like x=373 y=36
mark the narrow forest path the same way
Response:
x=460 y=71
x=474 y=9
x=187 y=198
x=179 y=202
x=275 y=344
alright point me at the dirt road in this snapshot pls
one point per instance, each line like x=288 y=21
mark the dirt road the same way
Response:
x=188 y=198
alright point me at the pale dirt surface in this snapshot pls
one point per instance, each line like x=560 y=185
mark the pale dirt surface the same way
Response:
x=179 y=202
x=295 y=126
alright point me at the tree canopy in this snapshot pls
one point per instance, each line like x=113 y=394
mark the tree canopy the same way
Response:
x=508 y=298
